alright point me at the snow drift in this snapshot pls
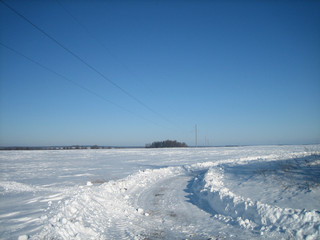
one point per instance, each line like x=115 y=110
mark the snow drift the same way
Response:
x=254 y=215
x=267 y=192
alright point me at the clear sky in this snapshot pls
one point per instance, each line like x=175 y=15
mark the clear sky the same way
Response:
x=134 y=72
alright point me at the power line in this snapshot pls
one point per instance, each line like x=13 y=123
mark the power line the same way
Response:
x=89 y=33
x=75 y=83
x=85 y=63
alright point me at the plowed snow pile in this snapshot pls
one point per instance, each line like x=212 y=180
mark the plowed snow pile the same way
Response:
x=261 y=192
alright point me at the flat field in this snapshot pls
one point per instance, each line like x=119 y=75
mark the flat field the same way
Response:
x=251 y=192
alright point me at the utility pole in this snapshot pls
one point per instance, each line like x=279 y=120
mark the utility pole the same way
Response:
x=196 y=135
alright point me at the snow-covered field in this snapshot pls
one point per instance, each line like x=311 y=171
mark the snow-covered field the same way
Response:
x=254 y=192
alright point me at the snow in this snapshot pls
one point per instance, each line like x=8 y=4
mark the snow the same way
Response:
x=252 y=192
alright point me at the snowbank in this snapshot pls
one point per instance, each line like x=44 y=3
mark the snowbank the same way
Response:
x=204 y=193
x=95 y=212
x=254 y=215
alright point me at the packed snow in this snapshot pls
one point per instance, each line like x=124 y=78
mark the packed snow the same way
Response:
x=251 y=192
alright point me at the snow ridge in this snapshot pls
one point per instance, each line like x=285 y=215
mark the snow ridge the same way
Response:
x=105 y=211
x=127 y=208
x=12 y=186
x=253 y=215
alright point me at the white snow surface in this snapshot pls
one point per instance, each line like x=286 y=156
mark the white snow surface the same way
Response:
x=251 y=192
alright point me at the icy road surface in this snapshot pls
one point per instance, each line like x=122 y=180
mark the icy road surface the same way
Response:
x=257 y=192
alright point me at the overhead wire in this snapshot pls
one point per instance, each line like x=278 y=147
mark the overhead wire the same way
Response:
x=89 y=33
x=92 y=36
x=77 y=84
x=103 y=46
x=86 y=63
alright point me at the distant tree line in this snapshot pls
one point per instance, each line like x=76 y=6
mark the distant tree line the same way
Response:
x=166 y=144
x=74 y=147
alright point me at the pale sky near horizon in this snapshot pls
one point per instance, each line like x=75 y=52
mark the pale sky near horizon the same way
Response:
x=134 y=72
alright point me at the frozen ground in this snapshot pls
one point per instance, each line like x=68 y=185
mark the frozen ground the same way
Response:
x=256 y=192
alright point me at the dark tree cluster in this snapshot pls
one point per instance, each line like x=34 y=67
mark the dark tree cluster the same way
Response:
x=166 y=144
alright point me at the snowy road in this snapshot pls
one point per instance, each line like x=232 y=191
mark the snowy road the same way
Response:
x=173 y=213
x=268 y=192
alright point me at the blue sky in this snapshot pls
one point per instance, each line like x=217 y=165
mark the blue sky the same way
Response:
x=246 y=72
